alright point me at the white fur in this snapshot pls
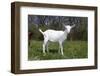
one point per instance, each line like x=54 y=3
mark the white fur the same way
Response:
x=55 y=36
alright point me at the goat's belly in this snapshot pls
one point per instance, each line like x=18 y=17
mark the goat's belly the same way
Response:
x=54 y=39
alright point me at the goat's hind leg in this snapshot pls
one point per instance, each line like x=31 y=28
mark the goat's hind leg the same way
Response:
x=47 y=46
x=44 y=46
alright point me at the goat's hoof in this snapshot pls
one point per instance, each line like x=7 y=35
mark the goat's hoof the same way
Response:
x=63 y=55
x=44 y=54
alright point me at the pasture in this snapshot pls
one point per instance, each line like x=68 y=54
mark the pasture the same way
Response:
x=72 y=50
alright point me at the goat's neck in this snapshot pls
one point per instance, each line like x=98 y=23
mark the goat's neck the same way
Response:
x=65 y=32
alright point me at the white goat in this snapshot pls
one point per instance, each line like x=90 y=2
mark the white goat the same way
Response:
x=55 y=36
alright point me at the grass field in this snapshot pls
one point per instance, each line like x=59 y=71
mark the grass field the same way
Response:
x=72 y=50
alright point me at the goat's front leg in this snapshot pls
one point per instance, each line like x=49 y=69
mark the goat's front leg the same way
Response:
x=61 y=48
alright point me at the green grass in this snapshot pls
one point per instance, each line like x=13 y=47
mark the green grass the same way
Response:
x=72 y=50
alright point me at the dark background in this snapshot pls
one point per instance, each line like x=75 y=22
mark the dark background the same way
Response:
x=45 y=22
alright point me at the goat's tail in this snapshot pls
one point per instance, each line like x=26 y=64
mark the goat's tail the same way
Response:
x=41 y=31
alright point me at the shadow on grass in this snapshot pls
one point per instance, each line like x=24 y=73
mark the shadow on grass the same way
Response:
x=53 y=50
x=50 y=51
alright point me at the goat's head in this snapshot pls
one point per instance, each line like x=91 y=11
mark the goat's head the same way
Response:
x=68 y=27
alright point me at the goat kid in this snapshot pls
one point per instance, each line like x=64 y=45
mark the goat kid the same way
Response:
x=55 y=36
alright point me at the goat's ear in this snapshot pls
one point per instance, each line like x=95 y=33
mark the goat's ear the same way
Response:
x=73 y=25
x=63 y=25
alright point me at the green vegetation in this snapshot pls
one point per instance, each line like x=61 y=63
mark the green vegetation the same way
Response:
x=72 y=50
x=75 y=46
